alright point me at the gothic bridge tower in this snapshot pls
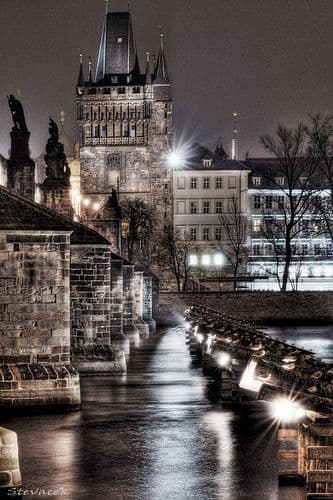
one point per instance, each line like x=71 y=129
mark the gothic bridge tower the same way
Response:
x=126 y=127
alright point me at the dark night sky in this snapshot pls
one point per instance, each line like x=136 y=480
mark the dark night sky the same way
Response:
x=270 y=60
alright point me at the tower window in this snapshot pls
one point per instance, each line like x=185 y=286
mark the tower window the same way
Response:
x=119 y=39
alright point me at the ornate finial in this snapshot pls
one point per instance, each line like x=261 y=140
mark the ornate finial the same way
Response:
x=89 y=65
x=107 y=6
x=62 y=118
x=148 y=57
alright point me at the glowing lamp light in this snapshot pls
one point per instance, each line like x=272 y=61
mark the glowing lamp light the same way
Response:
x=200 y=337
x=223 y=359
x=96 y=206
x=205 y=260
x=218 y=259
x=286 y=410
x=86 y=202
x=248 y=379
x=193 y=260
x=175 y=159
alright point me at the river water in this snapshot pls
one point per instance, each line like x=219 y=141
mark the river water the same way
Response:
x=154 y=434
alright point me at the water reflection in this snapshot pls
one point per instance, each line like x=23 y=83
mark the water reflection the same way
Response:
x=153 y=434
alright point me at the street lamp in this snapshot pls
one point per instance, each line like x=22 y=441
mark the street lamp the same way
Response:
x=286 y=410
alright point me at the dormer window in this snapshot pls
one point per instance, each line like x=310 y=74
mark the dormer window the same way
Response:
x=280 y=181
x=207 y=162
x=256 y=181
x=119 y=39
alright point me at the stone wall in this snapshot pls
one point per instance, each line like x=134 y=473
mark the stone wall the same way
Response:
x=90 y=277
x=35 y=320
x=262 y=307
x=129 y=301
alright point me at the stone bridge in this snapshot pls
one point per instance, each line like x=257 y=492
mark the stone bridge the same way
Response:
x=251 y=366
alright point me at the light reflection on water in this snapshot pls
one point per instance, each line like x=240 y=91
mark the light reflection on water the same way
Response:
x=154 y=434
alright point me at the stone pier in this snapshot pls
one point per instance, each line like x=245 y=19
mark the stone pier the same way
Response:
x=10 y=474
x=130 y=330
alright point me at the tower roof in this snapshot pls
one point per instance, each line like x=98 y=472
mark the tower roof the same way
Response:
x=161 y=71
x=117 y=52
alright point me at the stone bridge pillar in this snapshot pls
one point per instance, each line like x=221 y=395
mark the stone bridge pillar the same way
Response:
x=10 y=475
x=130 y=330
x=138 y=304
x=118 y=338
x=35 y=367
x=148 y=297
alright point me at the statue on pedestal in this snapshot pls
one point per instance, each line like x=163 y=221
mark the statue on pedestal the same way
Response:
x=57 y=169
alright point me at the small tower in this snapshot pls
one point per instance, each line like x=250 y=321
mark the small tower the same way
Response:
x=125 y=119
x=56 y=188
x=20 y=167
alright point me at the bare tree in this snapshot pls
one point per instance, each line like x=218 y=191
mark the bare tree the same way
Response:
x=137 y=220
x=177 y=250
x=297 y=165
x=234 y=234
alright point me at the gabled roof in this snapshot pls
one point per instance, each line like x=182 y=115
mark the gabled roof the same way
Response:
x=198 y=153
x=21 y=214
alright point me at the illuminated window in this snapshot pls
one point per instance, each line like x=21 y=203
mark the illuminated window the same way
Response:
x=119 y=39
x=218 y=207
x=194 y=183
x=207 y=162
x=218 y=259
x=256 y=181
x=205 y=260
x=206 y=234
x=256 y=225
x=206 y=207
x=206 y=183
x=218 y=183
x=193 y=234
x=193 y=260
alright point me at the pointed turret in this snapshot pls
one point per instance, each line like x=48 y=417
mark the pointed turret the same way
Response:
x=80 y=80
x=161 y=71
x=148 y=69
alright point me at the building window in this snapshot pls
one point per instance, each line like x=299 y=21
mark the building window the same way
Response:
x=121 y=90
x=206 y=207
x=256 y=201
x=205 y=260
x=119 y=39
x=193 y=207
x=207 y=162
x=269 y=202
x=181 y=183
x=193 y=260
x=136 y=90
x=231 y=182
x=218 y=207
x=206 y=234
x=218 y=233
x=256 y=181
x=194 y=183
x=125 y=129
x=218 y=183
x=180 y=207
x=256 y=249
x=193 y=234
x=280 y=201
x=133 y=130
x=206 y=183
x=256 y=225
x=279 y=181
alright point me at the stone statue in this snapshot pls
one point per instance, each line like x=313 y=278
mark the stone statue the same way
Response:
x=57 y=169
x=16 y=109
